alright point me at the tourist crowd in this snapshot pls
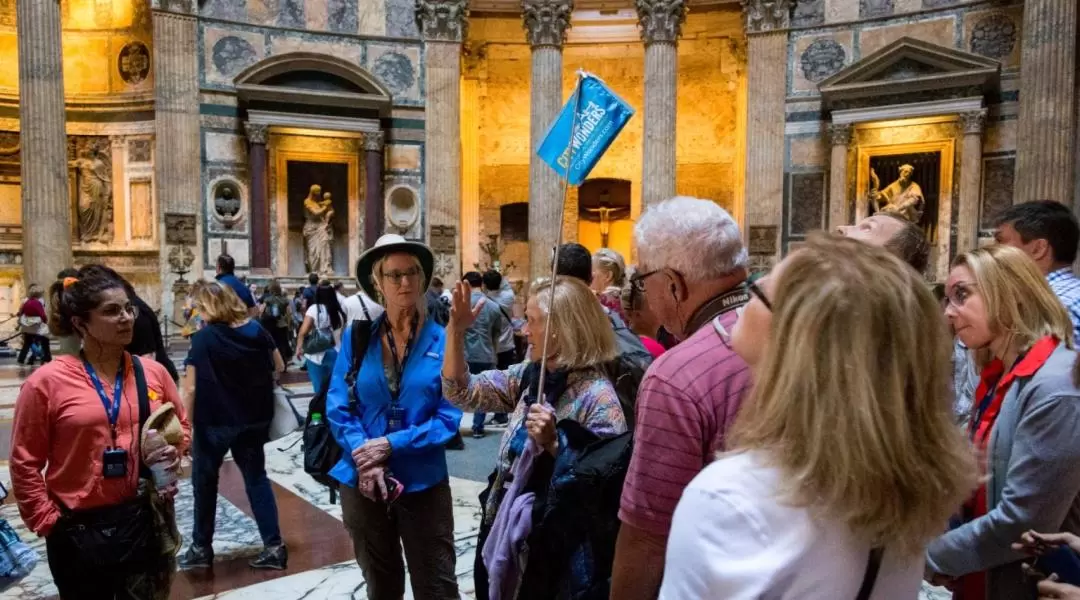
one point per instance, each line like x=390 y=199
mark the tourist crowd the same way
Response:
x=834 y=428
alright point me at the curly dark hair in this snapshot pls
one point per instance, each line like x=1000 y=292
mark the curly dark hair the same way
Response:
x=80 y=297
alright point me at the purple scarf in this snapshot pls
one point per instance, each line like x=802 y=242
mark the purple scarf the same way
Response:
x=513 y=522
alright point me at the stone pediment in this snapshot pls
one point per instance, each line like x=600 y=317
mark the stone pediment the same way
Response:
x=304 y=79
x=911 y=69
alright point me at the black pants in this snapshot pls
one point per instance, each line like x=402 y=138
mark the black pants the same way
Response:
x=28 y=340
x=149 y=581
x=422 y=523
x=280 y=335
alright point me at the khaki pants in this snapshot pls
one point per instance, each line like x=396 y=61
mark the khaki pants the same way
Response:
x=420 y=522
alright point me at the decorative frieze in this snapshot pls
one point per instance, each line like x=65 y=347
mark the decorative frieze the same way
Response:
x=766 y=15
x=661 y=20
x=442 y=20
x=546 y=21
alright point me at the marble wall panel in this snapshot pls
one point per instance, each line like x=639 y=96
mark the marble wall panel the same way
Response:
x=997 y=186
x=807 y=202
x=928 y=4
x=715 y=181
x=809 y=151
x=348 y=49
x=708 y=136
x=227 y=52
x=999 y=136
x=225 y=147
x=398 y=68
x=818 y=57
x=263 y=12
x=907 y=6
x=142 y=211
x=401 y=18
x=291 y=13
x=231 y=10
x=371 y=18
x=403 y=157
x=808 y=13
x=343 y=16
x=995 y=34
x=841 y=11
x=870 y=9
x=936 y=31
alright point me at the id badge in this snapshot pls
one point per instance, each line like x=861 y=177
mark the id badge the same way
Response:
x=114 y=463
x=396 y=419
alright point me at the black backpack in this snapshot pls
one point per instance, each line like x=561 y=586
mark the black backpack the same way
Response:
x=321 y=450
x=628 y=368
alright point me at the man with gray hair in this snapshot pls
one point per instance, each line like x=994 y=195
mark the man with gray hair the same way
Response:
x=692 y=267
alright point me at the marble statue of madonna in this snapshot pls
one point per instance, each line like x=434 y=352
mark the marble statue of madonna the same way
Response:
x=318 y=232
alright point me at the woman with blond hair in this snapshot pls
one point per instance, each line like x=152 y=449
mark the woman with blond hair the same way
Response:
x=844 y=460
x=575 y=389
x=1024 y=424
x=609 y=279
x=229 y=391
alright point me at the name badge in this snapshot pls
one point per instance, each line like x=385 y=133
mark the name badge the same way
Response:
x=434 y=355
x=395 y=420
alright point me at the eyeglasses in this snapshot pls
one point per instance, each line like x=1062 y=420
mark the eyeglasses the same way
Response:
x=637 y=281
x=115 y=311
x=396 y=277
x=756 y=291
x=960 y=294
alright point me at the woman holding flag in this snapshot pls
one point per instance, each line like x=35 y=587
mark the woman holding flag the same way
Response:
x=574 y=389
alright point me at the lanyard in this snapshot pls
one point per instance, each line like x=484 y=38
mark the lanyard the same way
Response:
x=399 y=365
x=112 y=409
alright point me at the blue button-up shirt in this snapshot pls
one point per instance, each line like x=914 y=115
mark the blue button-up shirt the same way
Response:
x=238 y=287
x=417 y=457
x=1067 y=287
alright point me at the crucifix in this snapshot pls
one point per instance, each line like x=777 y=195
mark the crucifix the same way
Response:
x=605 y=213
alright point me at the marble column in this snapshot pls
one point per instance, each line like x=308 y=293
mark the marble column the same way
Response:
x=839 y=206
x=177 y=148
x=260 y=206
x=967 y=218
x=546 y=22
x=766 y=25
x=661 y=24
x=46 y=209
x=1045 y=145
x=442 y=24
x=374 y=202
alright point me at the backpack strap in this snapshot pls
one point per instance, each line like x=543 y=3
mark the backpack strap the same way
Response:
x=358 y=343
x=144 y=408
x=873 y=565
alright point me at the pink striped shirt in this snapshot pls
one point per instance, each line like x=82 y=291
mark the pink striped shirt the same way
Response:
x=686 y=403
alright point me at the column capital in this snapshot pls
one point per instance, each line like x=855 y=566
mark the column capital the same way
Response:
x=661 y=20
x=766 y=15
x=546 y=21
x=256 y=134
x=374 y=140
x=840 y=134
x=442 y=20
x=972 y=123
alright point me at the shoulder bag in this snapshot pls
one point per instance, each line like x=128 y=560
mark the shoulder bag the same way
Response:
x=321 y=339
x=873 y=565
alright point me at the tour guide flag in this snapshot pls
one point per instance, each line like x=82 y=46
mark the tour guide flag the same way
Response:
x=601 y=115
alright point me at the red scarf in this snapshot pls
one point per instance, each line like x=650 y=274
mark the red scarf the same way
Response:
x=993 y=386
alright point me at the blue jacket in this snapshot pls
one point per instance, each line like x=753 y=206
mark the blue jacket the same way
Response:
x=417 y=457
x=238 y=287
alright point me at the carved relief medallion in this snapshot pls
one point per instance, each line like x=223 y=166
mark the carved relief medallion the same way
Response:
x=822 y=59
x=134 y=63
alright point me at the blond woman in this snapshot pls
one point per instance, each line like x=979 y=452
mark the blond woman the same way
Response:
x=609 y=279
x=844 y=460
x=230 y=383
x=1024 y=424
x=575 y=389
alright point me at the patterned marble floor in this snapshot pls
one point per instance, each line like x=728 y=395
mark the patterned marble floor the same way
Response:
x=321 y=564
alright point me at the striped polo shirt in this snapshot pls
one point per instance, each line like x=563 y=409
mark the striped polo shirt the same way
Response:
x=686 y=403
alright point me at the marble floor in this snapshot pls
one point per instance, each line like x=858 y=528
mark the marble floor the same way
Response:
x=321 y=557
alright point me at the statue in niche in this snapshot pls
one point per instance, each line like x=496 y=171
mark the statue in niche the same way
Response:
x=903 y=197
x=93 y=164
x=318 y=232
x=605 y=213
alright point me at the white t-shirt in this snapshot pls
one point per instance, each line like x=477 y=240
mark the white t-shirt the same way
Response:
x=355 y=312
x=320 y=318
x=731 y=538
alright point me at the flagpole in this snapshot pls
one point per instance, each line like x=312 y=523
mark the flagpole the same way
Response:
x=559 y=239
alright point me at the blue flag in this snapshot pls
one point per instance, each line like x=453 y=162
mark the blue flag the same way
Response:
x=601 y=115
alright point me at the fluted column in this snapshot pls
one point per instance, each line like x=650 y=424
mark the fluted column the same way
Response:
x=443 y=23
x=546 y=22
x=373 y=193
x=46 y=212
x=258 y=202
x=661 y=24
x=1044 y=141
x=766 y=24
x=839 y=211
x=178 y=151
x=967 y=217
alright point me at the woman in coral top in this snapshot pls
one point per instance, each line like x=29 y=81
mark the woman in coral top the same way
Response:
x=77 y=465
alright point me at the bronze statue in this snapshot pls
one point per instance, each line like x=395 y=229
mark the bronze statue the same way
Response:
x=903 y=197
x=318 y=232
